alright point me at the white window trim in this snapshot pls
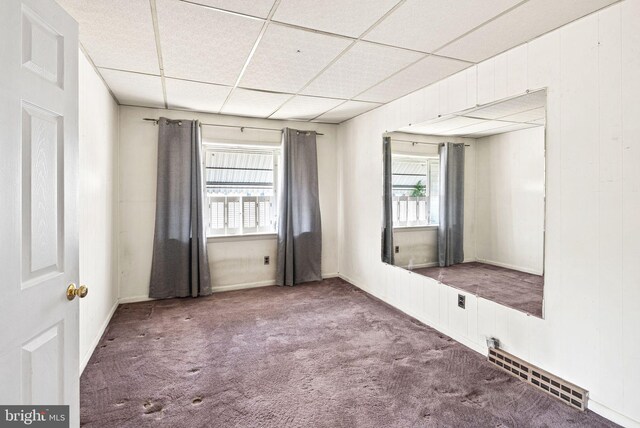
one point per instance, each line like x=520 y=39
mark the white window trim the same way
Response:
x=211 y=145
x=246 y=237
x=415 y=228
x=429 y=159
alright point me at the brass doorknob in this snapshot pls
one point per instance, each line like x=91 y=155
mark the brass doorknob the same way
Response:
x=72 y=291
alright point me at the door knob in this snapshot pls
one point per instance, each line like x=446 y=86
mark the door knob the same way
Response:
x=72 y=291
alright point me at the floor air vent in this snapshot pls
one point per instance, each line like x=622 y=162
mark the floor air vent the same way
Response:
x=567 y=392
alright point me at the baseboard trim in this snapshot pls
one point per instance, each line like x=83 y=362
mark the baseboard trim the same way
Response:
x=248 y=285
x=354 y=283
x=85 y=359
x=428 y=322
x=223 y=288
x=330 y=275
x=508 y=266
x=418 y=266
x=612 y=415
x=134 y=299
x=245 y=286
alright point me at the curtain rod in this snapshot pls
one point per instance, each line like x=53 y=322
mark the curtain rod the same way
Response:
x=242 y=128
x=422 y=142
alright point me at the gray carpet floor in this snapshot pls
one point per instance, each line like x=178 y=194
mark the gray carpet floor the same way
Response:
x=317 y=355
x=518 y=290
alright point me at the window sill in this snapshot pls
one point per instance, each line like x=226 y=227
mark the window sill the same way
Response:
x=245 y=237
x=415 y=228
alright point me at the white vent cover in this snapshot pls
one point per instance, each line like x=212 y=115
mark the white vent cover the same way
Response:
x=564 y=391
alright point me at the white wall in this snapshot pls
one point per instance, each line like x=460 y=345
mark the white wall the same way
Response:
x=591 y=331
x=509 y=201
x=98 y=201
x=234 y=262
x=417 y=247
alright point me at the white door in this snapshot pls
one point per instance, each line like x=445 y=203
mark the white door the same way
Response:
x=38 y=197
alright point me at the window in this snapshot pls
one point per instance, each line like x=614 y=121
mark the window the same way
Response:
x=240 y=190
x=416 y=190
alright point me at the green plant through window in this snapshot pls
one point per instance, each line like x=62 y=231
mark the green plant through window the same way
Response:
x=419 y=190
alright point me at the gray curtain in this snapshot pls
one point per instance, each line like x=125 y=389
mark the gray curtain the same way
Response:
x=387 y=219
x=180 y=267
x=450 y=230
x=299 y=227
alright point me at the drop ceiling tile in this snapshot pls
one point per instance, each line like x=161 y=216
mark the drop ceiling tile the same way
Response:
x=244 y=102
x=427 y=25
x=442 y=126
x=287 y=58
x=511 y=106
x=183 y=94
x=416 y=128
x=203 y=44
x=134 y=88
x=488 y=127
x=500 y=130
x=361 y=67
x=347 y=17
x=532 y=116
x=346 y=111
x=423 y=73
x=520 y=25
x=260 y=8
x=305 y=108
x=116 y=34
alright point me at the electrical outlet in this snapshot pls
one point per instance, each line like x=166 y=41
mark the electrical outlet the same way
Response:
x=266 y=260
x=397 y=249
x=461 y=300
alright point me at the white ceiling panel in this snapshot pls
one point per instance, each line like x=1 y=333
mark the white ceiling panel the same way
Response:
x=183 y=94
x=117 y=34
x=244 y=102
x=305 y=108
x=465 y=127
x=260 y=8
x=513 y=106
x=200 y=43
x=440 y=127
x=520 y=25
x=134 y=88
x=508 y=115
x=427 y=25
x=533 y=116
x=347 y=17
x=427 y=71
x=485 y=126
x=287 y=58
x=500 y=130
x=346 y=111
x=361 y=67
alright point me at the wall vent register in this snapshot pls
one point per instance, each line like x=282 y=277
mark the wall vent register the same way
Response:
x=564 y=391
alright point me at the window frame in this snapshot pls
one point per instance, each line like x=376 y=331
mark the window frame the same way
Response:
x=257 y=232
x=430 y=160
